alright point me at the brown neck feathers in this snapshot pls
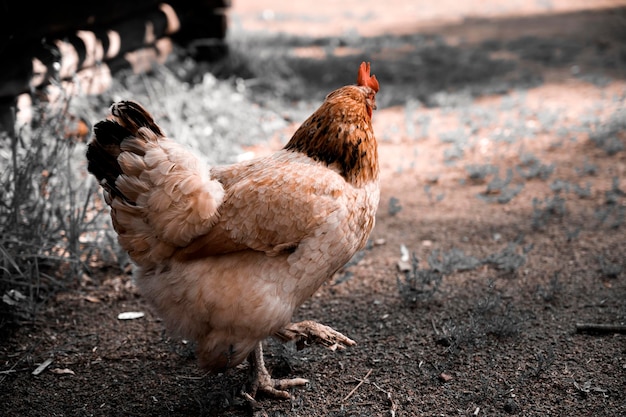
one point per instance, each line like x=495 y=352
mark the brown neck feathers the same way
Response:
x=340 y=135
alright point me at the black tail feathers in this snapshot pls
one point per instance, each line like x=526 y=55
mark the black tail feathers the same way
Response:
x=133 y=116
x=102 y=152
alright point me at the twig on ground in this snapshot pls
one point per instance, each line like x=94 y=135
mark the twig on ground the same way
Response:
x=392 y=404
x=42 y=367
x=12 y=368
x=8 y=371
x=600 y=328
x=432 y=322
x=358 y=385
x=194 y=378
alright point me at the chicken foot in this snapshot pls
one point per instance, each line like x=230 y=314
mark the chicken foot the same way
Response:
x=261 y=380
x=309 y=332
x=304 y=333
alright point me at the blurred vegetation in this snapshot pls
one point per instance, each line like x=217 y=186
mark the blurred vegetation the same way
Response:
x=47 y=209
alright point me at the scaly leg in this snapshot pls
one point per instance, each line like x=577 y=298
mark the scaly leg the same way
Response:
x=263 y=382
x=308 y=332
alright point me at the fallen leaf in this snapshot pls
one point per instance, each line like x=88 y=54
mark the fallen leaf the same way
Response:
x=92 y=299
x=130 y=315
x=405 y=256
x=403 y=266
x=13 y=297
x=60 y=371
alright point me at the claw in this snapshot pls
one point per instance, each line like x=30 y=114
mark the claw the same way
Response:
x=308 y=332
x=261 y=381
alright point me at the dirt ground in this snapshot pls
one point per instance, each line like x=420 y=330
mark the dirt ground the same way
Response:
x=502 y=136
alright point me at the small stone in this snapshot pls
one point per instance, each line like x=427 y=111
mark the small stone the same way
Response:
x=511 y=407
x=445 y=377
x=404 y=266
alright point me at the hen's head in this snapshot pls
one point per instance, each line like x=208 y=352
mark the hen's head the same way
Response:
x=340 y=132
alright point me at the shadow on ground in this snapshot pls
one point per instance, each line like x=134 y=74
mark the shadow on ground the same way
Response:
x=477 y=57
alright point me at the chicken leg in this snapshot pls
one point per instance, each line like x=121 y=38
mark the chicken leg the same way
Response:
x=262 y=381
x=304 y=333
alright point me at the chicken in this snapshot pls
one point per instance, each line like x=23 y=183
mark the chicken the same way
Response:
x=226 y=254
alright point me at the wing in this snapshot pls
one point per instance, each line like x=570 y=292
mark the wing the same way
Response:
x=271 y=206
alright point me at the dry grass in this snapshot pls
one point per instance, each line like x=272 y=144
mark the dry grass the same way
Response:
x=47 y=207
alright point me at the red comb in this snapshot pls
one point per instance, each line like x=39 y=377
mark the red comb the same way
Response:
x=365 y=79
